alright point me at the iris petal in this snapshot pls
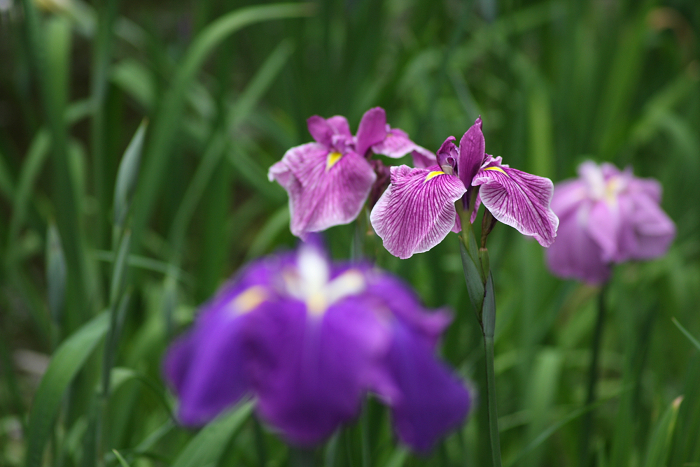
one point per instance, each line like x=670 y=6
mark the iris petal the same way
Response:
x=320 y=198
x=372 y=129
x=520 y=200
x=414 y=214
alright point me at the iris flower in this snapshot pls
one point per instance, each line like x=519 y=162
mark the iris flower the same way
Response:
x=309 y=339
x=417 y=211
x=329 y=180
x=607 y=216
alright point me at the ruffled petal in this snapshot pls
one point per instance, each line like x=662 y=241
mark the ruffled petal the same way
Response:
x=574 y=254
x=372 y=130
x=417 y=210
x=604 y=227
x=472 y=150
x=428 y=400
x=323 y=192
x=326 y=131
x=324 y=364
x=520 y=200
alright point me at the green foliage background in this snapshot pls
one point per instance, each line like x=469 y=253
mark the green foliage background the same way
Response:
x=101 y=271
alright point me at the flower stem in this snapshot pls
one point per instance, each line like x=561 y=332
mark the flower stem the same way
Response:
x=491 y=402
x=592 y=380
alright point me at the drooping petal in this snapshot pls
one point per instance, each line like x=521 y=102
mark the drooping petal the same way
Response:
x=604 y=227
x=207 y=369
x=324 y=366
x=648 y=231
x=396 y=144
x=472 y=150
x=325 y=188
x=422 y=158
x=520 y=200
x=405 y=307
x=428 y=401
x=372 y=130
x=417 y=210
x=574 y=254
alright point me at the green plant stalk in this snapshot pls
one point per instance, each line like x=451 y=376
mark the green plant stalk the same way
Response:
x=587 y=424
x=107 y=13
x=491 y=402
x=479 y=281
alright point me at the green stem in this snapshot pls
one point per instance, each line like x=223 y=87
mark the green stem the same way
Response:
x=491 y=402
x=592 y=380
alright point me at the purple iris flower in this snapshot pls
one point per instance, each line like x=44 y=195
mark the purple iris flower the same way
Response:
x=328 y=181
x=309 y=339
x=607 y=216
x=417 y=211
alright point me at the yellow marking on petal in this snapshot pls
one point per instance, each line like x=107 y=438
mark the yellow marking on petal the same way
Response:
x=434 y=173
x=498 y=169
x=333 y=157
x=316 y=303
x=249 y=299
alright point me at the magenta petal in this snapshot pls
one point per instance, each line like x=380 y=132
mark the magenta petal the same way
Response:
x=520 y=200
x=415 y=213
x=321 y=196
x=372 y=129
x=319 y=129
x=472 y=149
x=396 y=144
x=339 y=126
x=604 y=226
x=422 y=158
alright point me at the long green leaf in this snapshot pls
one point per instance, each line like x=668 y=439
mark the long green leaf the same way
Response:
x=209 y=444
x=167 y=122
x=65 y=364
x=686 y=333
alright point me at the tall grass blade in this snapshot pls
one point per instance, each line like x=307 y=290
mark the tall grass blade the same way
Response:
x=210 y=443
x=68 y=359
x=166 y=123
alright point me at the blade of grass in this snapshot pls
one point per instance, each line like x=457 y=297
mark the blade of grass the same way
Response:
x=211 y=442
x=166 y=123
x=68 y=359
x=685 y=332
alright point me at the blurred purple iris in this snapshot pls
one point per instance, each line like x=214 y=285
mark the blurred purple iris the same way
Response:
x=417 y=211
x=309 y=339
x=607 y=216
x=328 y=181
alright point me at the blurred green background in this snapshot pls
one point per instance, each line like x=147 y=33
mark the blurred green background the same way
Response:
x=221 y=90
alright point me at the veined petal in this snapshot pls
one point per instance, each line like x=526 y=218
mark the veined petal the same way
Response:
x=322 y=195
x=520 y=200
x=428 y=400
x=372 y=130
x=417 y=210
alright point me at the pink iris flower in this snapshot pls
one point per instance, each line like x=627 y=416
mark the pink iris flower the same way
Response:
x=607 y=216
x=417 y=211
x=329 y=180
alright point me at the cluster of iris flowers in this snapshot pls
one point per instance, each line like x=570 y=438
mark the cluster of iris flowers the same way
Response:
x=309 y=338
